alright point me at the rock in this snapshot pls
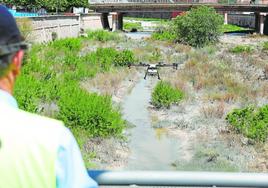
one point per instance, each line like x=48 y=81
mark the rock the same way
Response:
x=244 y=141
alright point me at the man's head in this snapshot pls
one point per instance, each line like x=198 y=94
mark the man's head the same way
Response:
x=11 y=50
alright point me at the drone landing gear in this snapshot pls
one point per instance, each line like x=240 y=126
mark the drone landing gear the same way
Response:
x=158 y=76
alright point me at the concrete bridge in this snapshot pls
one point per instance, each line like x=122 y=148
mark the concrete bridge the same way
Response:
x=118 y=9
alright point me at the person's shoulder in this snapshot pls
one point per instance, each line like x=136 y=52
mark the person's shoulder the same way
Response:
x=42 y=120
x=19 y=117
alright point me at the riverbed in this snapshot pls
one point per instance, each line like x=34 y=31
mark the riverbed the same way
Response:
x=192 y=135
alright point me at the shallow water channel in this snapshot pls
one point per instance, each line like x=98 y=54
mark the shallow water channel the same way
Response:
x=149 y=149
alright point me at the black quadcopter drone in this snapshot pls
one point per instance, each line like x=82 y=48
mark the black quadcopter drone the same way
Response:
x=152 y=69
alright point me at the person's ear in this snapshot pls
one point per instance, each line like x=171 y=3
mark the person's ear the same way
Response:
x=17 y=62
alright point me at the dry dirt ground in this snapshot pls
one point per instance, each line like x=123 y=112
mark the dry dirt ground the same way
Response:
x=207 y=141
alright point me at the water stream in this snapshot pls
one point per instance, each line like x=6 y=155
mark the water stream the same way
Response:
x=149 y=150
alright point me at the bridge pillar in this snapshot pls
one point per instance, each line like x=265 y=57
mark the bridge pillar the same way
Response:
x=225 y=18
x=105 y=21
x=259 y=22
x=117 y=21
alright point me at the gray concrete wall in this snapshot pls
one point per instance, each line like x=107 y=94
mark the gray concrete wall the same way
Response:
x=92 y=21
x=63 y=26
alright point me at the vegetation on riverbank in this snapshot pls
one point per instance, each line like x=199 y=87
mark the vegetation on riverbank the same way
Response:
x=164 y=95
x=216 y=81
x=251 y=122
x=132 y=26
x=103 y=36
x=52 y=74
x=198 y=27
x=241 y=49
x=164 y=33
x=229 y=28
x=217 y=77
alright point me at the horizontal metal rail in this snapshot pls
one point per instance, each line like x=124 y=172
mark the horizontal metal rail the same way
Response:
x=175 y=178
x=229 y=2
x=169 y=7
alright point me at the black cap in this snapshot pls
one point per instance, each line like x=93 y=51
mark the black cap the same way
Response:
x=10 y=36
x=9 y=31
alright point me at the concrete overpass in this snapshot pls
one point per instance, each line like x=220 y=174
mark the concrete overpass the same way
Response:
x=118 y=9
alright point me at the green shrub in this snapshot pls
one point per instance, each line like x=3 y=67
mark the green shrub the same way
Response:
x=52 y=73
x=69 y=44
x=103 y=36
x=90 y=112
x=103 y=57
x=251 y=122
x=27 y=92
x=198 y=27
x=132 y=25
x=265 y=46
x=163 y=36
x=124 y=58
x=106 y=57
x=164 y=33
x=164 y=95
x=241 y=49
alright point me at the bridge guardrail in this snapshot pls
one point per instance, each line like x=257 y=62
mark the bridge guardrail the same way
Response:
x=176 y=178
x=222 y=2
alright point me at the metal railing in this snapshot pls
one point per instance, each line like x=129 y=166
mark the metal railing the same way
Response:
x=174 y=178
x=235 y=2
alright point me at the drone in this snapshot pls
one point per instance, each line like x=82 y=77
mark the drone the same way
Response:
x=152 y=69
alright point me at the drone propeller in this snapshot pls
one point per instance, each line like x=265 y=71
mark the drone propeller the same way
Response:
x=174 y=65
x=138 y=65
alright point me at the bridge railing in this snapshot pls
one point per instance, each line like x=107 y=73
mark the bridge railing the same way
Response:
x=236 y=2
x=174 y=178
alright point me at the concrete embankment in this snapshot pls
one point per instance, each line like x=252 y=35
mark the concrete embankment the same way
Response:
x=61 y=26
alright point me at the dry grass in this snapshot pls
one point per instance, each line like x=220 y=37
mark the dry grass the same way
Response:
x=213 y=111
x=218 y=96
x=108 y=83
x=180 y=48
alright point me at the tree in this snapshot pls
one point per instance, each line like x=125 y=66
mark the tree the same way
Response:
x=198 y=27
x=78 y=3
x=51 y=5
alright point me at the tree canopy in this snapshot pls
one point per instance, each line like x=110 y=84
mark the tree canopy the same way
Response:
x=47 y=4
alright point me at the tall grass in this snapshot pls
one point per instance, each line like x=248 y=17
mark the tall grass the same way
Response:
x=103 y=36
x=132 y=25
x=52 y=73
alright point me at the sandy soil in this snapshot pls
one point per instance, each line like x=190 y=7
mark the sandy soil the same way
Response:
x=208 y=142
